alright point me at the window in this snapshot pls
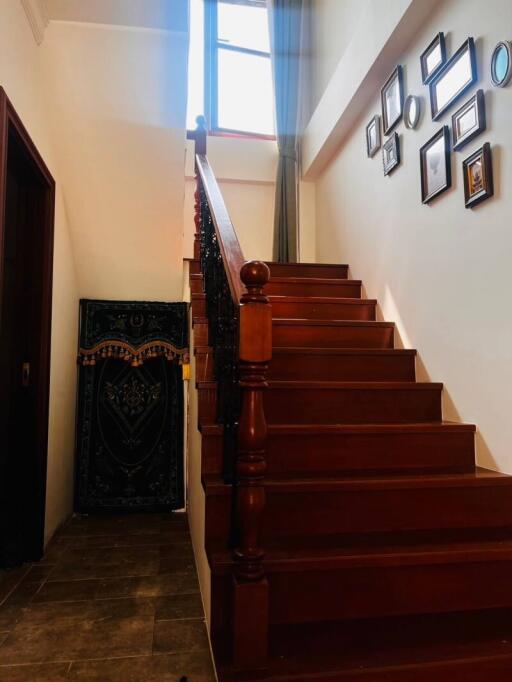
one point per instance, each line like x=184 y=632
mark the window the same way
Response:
x=230 y=75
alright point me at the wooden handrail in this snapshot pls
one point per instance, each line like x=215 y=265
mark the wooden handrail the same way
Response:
x=240 y=330
x=228 y=241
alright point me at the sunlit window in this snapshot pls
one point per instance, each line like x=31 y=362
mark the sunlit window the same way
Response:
x=230 y=76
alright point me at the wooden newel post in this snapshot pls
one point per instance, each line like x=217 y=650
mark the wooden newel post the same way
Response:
x=200 y=148
x=250 y=604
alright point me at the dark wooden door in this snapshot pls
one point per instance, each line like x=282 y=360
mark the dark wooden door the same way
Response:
x=25 y=287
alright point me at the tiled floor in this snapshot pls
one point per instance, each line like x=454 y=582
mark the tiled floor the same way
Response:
x=115 y=599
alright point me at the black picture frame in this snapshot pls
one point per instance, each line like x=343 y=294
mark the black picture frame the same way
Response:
x=438 y=43
x=372 y=149
x=396 y=79
x=501 y=81
x=391 y=154
x=475 y=107
x=431 y=190
x=467 y=47
x=485 y=187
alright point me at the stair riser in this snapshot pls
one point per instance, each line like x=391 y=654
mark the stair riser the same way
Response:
x=323 y=311
x=365 y=511
x=306 y=367
x=200 y=329
x=325 y=336
x=316 y=595
x=370 y=453
x=207 y=406
x=204 y=365
x=196 y=284
x=194 y=267
x=343 y=289
x=308 y=270
x=198 y=304
x=211 y=454
x=352 y=406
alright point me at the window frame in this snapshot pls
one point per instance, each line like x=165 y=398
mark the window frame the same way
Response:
x=212 y=45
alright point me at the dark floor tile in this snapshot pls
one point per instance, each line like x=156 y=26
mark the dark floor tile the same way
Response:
x=9 y=616
x=179 y=606
x=179 y=636
x=118 y=525
x=79 y=564
x=173 y=538
x=145 y=586
x=23 y=594
x=57 y=632
x=47 y=672
x=195 y=666
x=39 y=572
x=10 y=579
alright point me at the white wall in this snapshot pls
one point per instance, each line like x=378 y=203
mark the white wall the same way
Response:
x=118 y=100
x=22 y=77
x=441 y=272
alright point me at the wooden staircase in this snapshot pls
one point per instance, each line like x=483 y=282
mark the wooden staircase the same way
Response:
x=388 y=553
x=376 y=514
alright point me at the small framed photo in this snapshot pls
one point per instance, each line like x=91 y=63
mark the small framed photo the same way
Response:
x=435 y=166
x=373 y=136
x=477 y=171
x=391 y=154
x=469 y=120
x=433 y=58
x=392 y=99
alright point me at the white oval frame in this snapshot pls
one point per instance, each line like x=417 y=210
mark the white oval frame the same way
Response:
x=508 y=46
x=412 y=123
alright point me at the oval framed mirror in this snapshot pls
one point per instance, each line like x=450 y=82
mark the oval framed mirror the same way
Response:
x=412 y=111
x=501 y=64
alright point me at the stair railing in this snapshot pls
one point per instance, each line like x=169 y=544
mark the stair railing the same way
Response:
x=240 y=332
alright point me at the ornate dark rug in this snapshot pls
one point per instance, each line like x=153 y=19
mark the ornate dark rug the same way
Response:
x=130 y=406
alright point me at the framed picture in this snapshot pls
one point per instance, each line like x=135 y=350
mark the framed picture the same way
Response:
x=453 y=79
x=392 y=99
x=433 y=58
x=373 y=136
x=469 y=120
x=412 y=111
x=391 y=154
x=501 y=64
x=477 y=171
x=435 y=166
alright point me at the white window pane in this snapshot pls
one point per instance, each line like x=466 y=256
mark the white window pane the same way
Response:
x=243 y=26
x=195 y=103
x=245 y=93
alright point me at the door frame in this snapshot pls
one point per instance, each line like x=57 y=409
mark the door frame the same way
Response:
x=10 y=122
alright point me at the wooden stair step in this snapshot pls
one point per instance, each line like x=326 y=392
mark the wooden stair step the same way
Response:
x=471 y=647
x=329 y=505
x=313 y=286
x=384 y=577
x=338 y=402
x=342 y=364
x=332 y=334
x=323 y=308
x=316 y=270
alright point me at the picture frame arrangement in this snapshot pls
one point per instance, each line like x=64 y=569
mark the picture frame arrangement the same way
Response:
x=453 y=79
x=435 y=165
x=469 y=120
x=373 y=137
x=433 y=58
x=501 y=64
x=478 y=180
x=392 y=100
x=391 y=154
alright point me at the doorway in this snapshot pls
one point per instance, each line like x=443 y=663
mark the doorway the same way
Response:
x=27 y=197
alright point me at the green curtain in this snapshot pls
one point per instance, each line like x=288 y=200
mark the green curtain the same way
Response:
x=285 y=32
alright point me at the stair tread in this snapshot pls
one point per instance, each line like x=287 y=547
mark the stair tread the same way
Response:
x=317 y=280
x=432 y=427
x=322 y=265
x=298 y=350
x=275 y=298
x=297 y=321
x=383 y=549
x=477 y=478
x=354 y=385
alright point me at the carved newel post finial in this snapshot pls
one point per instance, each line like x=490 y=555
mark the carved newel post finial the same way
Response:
x=251 y=587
